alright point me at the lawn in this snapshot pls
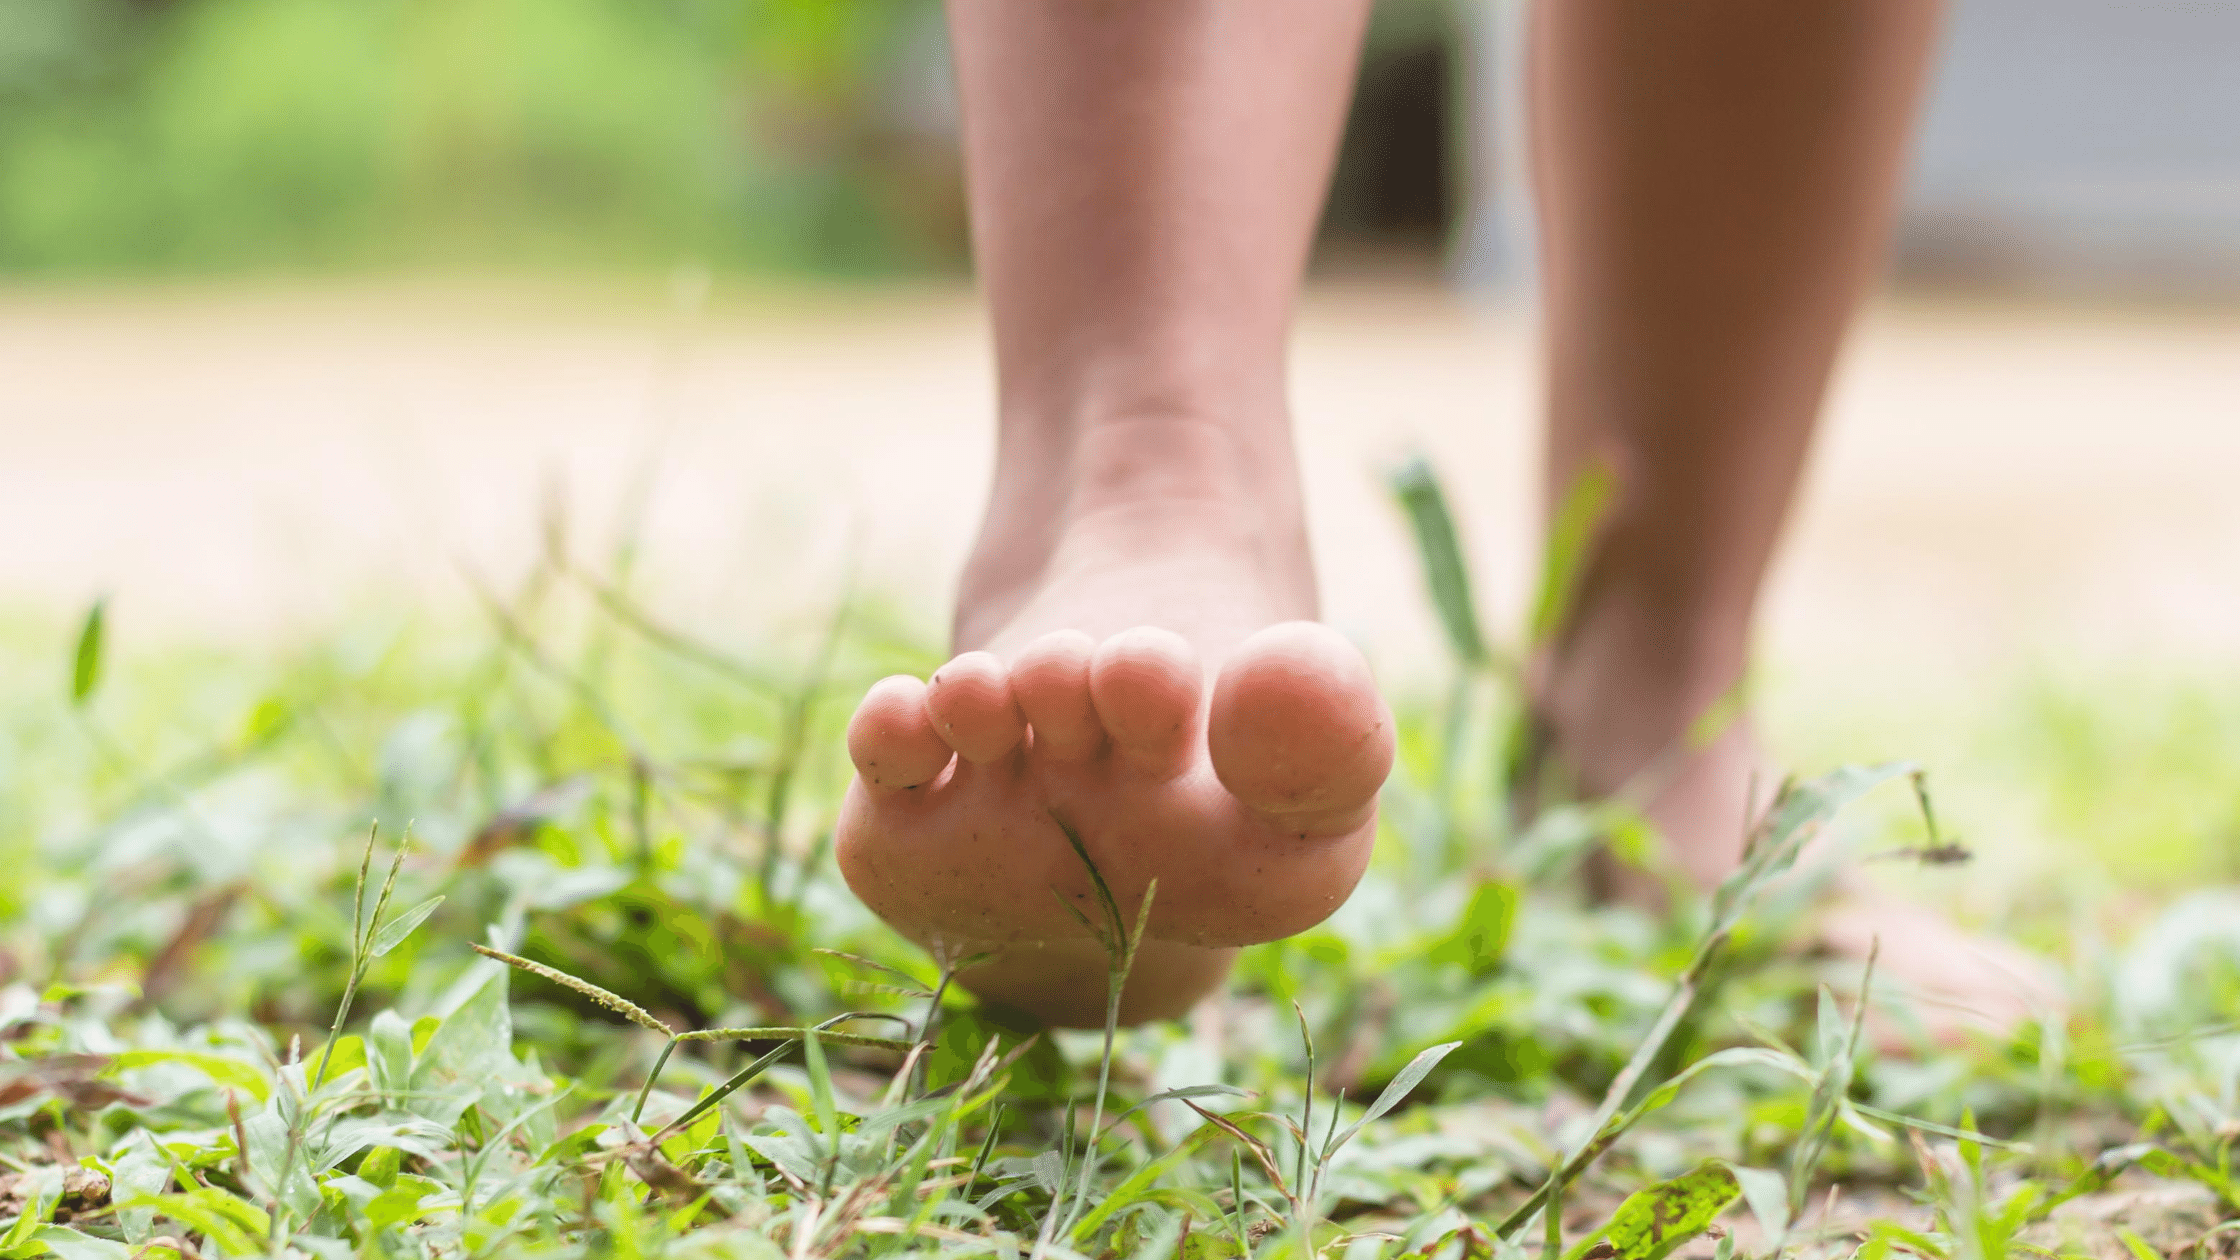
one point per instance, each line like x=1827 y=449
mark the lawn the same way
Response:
x=520 y=935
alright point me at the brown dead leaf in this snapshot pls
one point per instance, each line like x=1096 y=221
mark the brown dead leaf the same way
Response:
x=74 y=1078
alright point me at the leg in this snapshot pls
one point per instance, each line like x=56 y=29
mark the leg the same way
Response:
x=1145 y=179
x=1715 y=179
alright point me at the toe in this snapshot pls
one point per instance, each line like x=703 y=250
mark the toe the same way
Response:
x=1050 y=680
x=969 y=700
x=1145 y=684
x=1297 y=726
x=891 y=739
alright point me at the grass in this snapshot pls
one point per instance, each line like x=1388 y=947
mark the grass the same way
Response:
x=630 y=1009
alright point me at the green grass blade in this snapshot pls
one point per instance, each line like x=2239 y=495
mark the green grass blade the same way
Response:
x=1563 y=557
x=1416 y=487
x=85 y=663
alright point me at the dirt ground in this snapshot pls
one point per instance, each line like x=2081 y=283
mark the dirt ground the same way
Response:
x=1996 y=481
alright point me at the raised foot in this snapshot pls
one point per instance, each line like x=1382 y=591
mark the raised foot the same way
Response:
x=1951 y=982
x=1252 y=803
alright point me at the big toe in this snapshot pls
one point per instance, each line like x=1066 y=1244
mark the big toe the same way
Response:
x=1298 y=729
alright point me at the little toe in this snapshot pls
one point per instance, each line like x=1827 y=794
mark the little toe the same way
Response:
x=1145 y=684
x=969 y=700
x=1298 y=729
x=1050 y=680
x=891 y=738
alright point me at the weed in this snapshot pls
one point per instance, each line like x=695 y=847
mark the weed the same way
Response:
x=682 y=1036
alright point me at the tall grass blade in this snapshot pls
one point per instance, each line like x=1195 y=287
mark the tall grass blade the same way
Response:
x=1403 y=1083
x=85 y=663
x=1563 y=557
x=1416 y=487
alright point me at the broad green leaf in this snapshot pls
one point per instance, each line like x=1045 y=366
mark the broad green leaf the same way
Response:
x=349 y=1054
x=401 y=1201
x=401 y=1133
x=392 y=933
x=389 y=1057
x=1832 y=1029
x=65 y=1243
x=225 y=1071
x=1767 y=1193
x=1049 y=1169
x=85 y=665
x=469 y=1048
x=140 y=1171
x=1482 y=936
x=1655 y=1221
x=1886 y=1233
x=380 y=1166
x=280 y=1163
x=787 y=1152
x=2161 y=1162
x=237 y=1226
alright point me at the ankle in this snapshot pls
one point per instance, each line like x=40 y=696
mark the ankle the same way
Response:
x=1628 y=681
x=1184 y=471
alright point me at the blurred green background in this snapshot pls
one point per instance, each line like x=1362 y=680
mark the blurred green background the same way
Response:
x=144 y=135
x=170 y=136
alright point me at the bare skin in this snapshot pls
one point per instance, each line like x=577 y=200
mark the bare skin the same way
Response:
x=1144 y=181
x=1715 y=183
x=1138 y=660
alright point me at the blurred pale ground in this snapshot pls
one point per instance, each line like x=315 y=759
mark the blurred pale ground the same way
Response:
x=1996 y=480
x=2002 y=486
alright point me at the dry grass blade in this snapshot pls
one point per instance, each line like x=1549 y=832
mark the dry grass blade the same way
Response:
x=620 y=1005
x=747 y=1074
x=1260 y=1150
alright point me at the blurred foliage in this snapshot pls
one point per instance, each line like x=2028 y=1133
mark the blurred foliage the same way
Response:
x=154 y=136
x=200 y=134
x=648 y=809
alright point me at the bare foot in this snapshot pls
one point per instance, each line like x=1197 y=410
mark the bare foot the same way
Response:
x=1615 y=723
x=1949 y=980
x=1148 y=682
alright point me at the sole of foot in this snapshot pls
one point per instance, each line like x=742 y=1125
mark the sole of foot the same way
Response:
x=1247 y=792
